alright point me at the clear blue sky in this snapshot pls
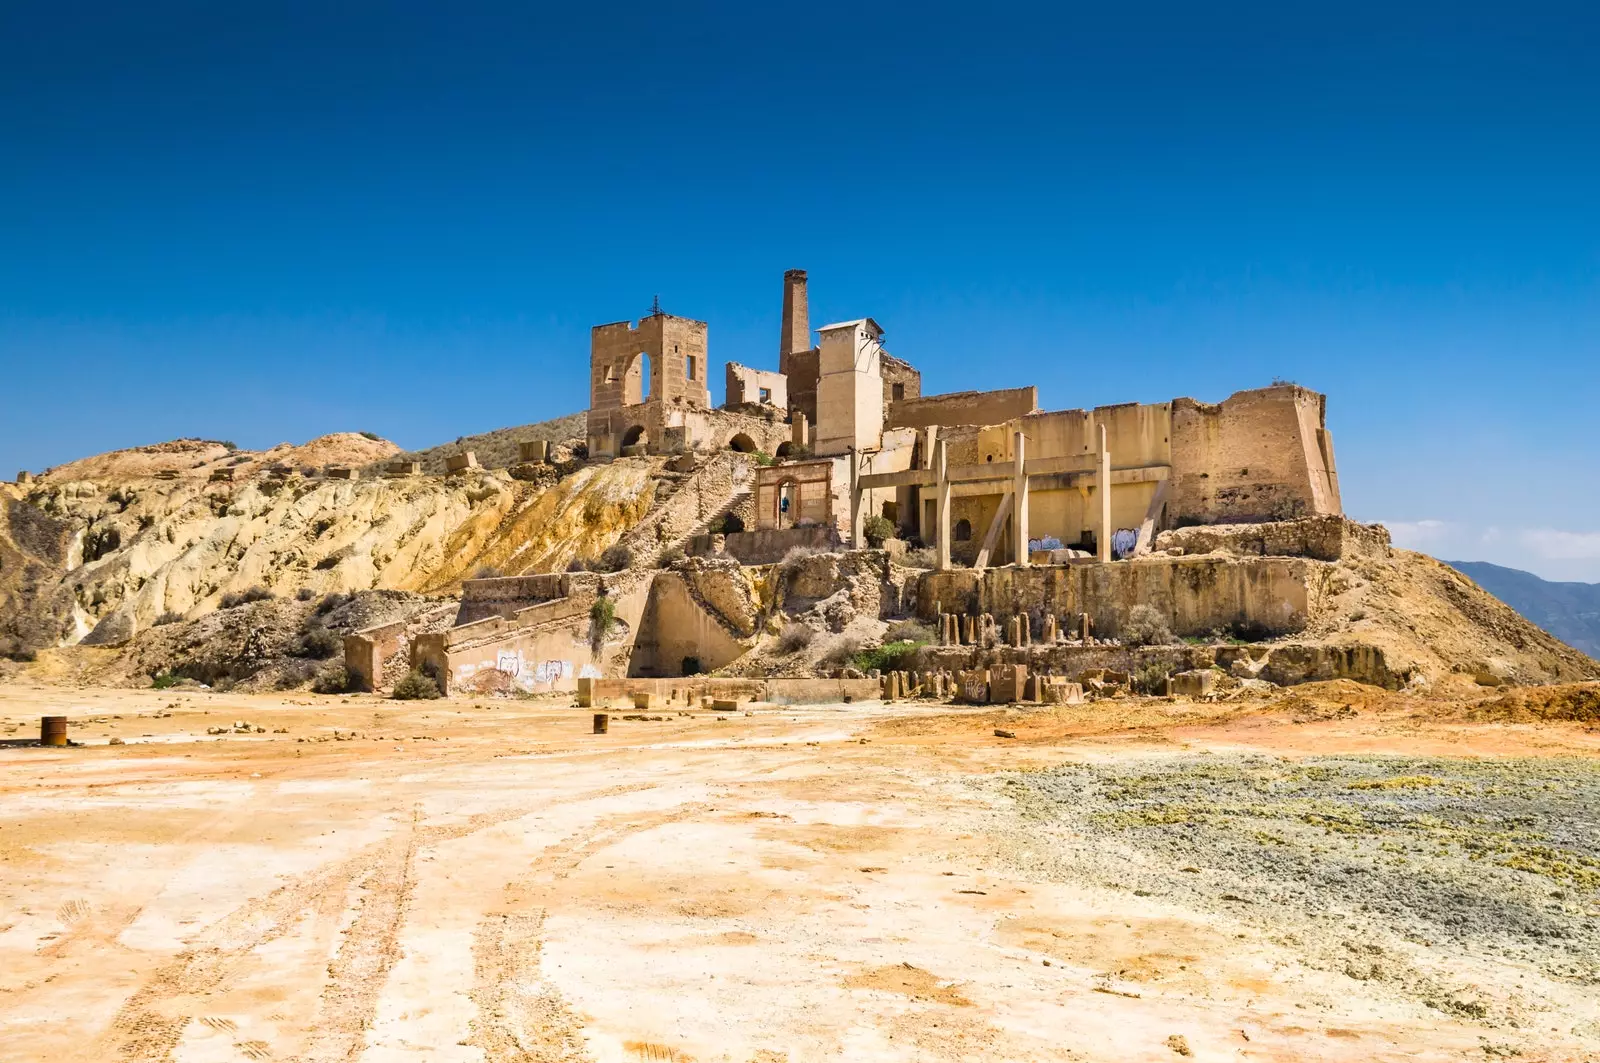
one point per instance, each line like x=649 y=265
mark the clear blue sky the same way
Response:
x=266 y=225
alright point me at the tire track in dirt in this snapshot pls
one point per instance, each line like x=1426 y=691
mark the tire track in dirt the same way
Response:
x=144 y=1031
x=521 y=1017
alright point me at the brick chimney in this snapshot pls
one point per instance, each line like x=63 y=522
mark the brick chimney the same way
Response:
x=796 y=333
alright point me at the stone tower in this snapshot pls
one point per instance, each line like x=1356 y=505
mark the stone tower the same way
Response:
x=850 y=391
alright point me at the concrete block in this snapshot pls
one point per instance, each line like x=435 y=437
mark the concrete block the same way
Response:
x=341 y=472
x=643 y=700
x=1194 y=684
x=456 y=463
x=404 y=468
x=536 y=451
x=1007 y=682
x=727 y=704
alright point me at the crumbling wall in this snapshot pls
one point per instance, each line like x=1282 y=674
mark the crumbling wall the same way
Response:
x=680 y=632
x=505 y=595
x=542 y=647
x=902 y=382
x=1258 y=455
x=1263 y=596
x=755 y=387
x=769 y=545
x=802 y=373
x=962 y=408
x=618 y=398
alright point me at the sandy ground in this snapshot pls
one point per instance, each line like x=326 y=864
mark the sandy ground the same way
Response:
x=490 y=881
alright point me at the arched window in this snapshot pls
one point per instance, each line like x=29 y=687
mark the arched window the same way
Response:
x=963 y=530
x=633 y=435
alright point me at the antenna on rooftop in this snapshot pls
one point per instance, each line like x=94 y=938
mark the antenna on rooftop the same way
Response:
x=655 y=307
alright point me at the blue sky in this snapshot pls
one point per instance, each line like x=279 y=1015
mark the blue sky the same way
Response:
x=263 y=223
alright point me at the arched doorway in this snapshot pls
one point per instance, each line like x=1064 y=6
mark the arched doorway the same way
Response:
x=633 y=436
x=784 y=450
x=638 y=381
x=787 y=504
x=742 y=443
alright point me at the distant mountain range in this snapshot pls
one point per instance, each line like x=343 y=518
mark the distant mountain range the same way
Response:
x=1569 y=611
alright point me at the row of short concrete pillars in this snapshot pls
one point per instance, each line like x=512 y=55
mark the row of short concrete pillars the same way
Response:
x=981 y=629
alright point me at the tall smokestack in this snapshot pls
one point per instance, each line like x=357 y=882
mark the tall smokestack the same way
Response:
x=796 y=334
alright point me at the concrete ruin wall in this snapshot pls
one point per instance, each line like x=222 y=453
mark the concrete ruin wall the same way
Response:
x=902 y=382
x=538 y=648
x=618 y=693
x=506 y=595
x=366 y=650
x=766 y=546
x=962 y=408
x=677 y=628
x=1264 y=596
x=756 y=387
x=1258 y=455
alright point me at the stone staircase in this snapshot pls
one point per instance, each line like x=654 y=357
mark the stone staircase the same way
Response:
x=689 y=503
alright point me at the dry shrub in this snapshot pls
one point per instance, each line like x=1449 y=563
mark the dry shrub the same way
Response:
x=334 y=679
x=234 y=599
x=415 y=686
x=794 y=638
x=1146 y=627
x=909 y=631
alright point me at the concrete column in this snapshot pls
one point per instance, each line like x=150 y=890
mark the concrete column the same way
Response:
x=1103 y=487
x=799 y=429
x=1019 y=507
x=941 y=464
x=857 y=540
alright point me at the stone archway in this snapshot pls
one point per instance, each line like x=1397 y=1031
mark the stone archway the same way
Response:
x=742 y=443
x=634 y=436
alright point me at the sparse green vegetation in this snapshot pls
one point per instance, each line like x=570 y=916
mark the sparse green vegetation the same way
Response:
x=602 y=617
x=876 y=530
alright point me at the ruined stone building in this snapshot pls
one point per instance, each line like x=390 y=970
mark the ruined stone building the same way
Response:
x=1026 y=511
x=857 y=435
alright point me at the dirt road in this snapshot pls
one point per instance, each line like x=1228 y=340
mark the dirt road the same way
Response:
x=343 y=879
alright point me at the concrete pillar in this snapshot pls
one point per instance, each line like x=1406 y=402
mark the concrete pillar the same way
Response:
x=1103 y=488
x=857 y=541
x=941 y=464
x=1019 y=505
x=799 y=429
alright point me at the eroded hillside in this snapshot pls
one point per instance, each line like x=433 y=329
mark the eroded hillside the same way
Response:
x=100 y=550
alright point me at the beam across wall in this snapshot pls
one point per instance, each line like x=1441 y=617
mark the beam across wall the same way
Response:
x=983 y=479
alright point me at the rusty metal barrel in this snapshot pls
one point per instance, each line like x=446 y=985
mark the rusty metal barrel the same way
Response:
x=53 y=731
x=602 y=723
